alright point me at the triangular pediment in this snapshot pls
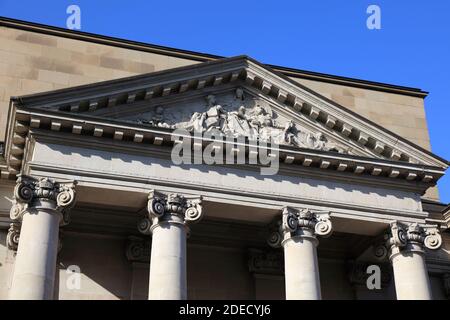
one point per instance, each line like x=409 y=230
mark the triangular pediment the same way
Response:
x=236 y=111
x=237 y=96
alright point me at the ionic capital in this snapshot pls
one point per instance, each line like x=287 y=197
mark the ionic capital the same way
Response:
x=411 y=237
x=171 y=208
x=12 y=238
x=138 y=249
x=32 y=193
x=303 y=223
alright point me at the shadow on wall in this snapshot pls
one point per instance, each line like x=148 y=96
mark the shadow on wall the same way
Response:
x=105 y=273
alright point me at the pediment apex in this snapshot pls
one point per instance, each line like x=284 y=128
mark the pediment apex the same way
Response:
x=340 y=125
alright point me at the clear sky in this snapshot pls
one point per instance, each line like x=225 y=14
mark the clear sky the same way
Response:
x=412 y=48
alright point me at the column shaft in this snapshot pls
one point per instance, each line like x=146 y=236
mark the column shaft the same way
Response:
x=406 y=243
x=167 y=222
x=168 y=263
x=35 y=265
x=301 y=269
x=41 y=205
x=297 y=233
x=411 y=276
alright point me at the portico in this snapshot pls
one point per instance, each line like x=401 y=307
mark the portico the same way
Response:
x=340 y=178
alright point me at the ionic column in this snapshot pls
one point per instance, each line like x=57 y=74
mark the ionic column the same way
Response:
x=168 y=219
x=41 y=205
x=406 y=252
x=297 y=233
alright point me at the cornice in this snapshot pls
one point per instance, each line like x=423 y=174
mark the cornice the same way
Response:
x=135 y=134
x=446 y=214
x=337 y=117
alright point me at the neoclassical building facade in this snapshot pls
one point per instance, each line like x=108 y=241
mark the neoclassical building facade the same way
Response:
x=132 y=171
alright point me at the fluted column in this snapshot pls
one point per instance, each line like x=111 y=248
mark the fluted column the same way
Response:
x=406 y=252
x=41 y=206
x=297 y=233
x=167 y=222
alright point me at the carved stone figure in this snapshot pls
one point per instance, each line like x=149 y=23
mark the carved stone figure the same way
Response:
x=315 y=141
x=239 y=99
x=258 y=116
x=240 y=94
x=237 y=124
x=271 y=134
x=158 y=119
x=216 y=115
x=318 y=141
x=197 y=122
x=240 y=119
x=291 y=134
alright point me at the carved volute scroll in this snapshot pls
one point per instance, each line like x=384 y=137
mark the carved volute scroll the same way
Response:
x=300 y=223
x=411 y=237
x=138 y=249
x=39 y=193
x=12 y=238
x=171 y=208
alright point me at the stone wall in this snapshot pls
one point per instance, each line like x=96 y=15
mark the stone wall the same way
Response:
x=105 y=271
x=401 y=114
x=33 y=62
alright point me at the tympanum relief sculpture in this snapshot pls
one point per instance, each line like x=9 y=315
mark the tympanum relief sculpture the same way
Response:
x=238 y=117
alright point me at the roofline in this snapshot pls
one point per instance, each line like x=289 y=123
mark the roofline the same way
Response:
x=22 y=98
x=436 y=202
x=202 y=57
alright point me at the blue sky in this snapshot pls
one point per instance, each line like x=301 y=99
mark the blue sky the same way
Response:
x=411 y=49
